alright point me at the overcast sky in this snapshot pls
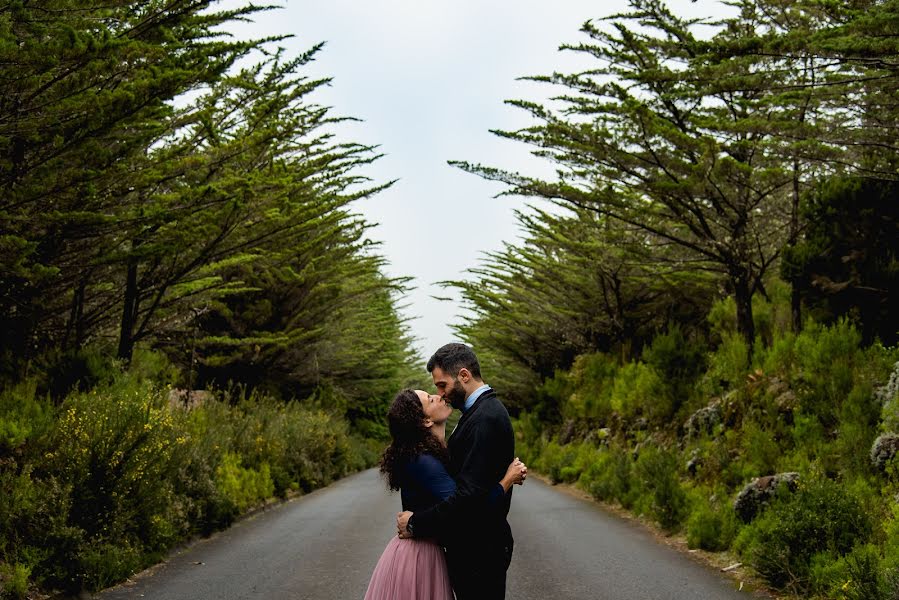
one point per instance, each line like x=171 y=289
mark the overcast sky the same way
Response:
x=429 y=80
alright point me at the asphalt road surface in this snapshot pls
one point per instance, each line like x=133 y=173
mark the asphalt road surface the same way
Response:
x=323 y=546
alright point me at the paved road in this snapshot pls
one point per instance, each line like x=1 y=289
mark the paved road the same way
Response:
x=324 y=545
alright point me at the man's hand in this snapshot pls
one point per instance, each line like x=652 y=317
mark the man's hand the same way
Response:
x=402 y=520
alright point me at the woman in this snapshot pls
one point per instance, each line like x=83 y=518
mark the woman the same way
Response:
x=415 y=463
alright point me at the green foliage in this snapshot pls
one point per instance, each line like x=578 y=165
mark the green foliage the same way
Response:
x=14 y=580
x=787 y=414
x=847 y=264
x=610 y=478
x=529 y=439
x=679 y=361
x=23 y=415
x=729 y=364
x=664 y=498
x=579 y=285
x=117 y=476
x=589 y=386
x=759 y=451
x=712 y=524
x=117 y=448
x=243 y=488
x=107 y=563
x=557 y=461
x=822 y=516
x=638 y=391
x=218 y=227
x=89 y=90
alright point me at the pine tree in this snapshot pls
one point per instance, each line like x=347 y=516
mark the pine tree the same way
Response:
x=658 y=137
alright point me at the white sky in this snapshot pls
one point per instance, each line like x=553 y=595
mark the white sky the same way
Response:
x=428 y=78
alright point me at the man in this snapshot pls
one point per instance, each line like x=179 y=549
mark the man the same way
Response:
x=475 y=533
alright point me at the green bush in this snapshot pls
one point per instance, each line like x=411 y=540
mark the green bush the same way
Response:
x=557 y=462
x=610 y=478
x=728 y=364
x=759 y=451
x=712 y=524
x=529 y=440
x=103 y=564
x=867 y=580
x=678 y=361
x=590 y=380
x=638 y=391
x=23 y=416
x=14 y=580
x=243 y=488
x=666 y=501
x=118 y=452
x=112 y=478
x=821 y=516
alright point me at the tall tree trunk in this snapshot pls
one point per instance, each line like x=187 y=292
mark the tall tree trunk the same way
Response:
x=743 y=299
x=795 y=299
x=76 y=318
x=129 y=313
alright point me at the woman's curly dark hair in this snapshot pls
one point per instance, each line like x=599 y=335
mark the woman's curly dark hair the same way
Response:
x=411 y=438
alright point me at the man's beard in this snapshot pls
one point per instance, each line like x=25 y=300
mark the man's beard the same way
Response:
x=456 y=395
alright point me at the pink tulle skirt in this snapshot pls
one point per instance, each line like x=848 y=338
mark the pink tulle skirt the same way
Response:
x=410 y=570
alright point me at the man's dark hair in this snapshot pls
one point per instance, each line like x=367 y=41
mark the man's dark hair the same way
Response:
x=452 y=358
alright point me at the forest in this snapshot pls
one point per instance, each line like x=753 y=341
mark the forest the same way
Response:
x=699 y=324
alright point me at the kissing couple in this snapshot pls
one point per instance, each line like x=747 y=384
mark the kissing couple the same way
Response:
x=453 y=536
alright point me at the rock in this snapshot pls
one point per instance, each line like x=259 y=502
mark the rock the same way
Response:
x=760 y=491
x=890 y=391
x=777 y=387
x=694 y=463
x=180 y=398
x=888 y=397
x=884 y=449
x=693 y=466
x=600 y=437
x=567 y=433
x=703 y=421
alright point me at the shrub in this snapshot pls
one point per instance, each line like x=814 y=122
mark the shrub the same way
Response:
x=638 y=392
x=529 y=441
x=712 y=525
x=867 y=580
x=117 y=452
x=678 y=361
x=102 y=564
x=590 y=381
x=14 y=579
x=557 y=458
x=759 y=451
x=242 y=487
x=728 y=365
x=609 y=477
x=23 y=416
x=656 y=470
x=821 y=516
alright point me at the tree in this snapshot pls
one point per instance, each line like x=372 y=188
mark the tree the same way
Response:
x=848 y=261
x=579 y=283
x=86 y=89
x=660 y=137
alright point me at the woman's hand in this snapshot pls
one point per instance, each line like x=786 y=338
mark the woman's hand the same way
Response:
x=515 y=474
